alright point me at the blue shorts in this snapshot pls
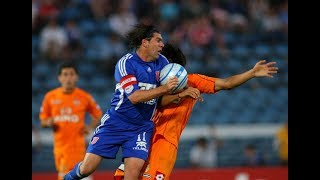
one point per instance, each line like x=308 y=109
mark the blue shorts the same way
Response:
x=134 y=143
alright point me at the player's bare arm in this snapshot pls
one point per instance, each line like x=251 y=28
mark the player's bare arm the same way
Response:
x=46 y=123
x=175 y=98
x=94 y=123
x=260 y=69
x=146 y=95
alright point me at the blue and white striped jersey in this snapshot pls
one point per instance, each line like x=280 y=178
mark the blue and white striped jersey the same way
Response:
x=131 y=74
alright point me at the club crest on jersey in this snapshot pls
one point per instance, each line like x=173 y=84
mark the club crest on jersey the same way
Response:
x=158 y=76
x=94 y=140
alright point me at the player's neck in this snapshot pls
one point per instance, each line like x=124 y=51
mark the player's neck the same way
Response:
x=67 y=90
x=143 y=55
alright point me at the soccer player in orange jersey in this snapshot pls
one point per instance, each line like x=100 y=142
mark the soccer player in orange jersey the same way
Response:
x=172 y=116
x=64 y=109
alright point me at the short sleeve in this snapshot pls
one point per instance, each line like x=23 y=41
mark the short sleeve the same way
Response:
x=125 y=75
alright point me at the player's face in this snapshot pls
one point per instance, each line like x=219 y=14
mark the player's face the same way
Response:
x=155 y=46
x=68 y=78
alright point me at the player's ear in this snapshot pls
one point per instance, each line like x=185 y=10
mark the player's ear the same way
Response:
x=145 y=41
x=77 y=77
x=59 y=78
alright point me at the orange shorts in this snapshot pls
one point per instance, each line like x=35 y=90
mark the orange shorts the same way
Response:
x=162 y=158
x=65 y=161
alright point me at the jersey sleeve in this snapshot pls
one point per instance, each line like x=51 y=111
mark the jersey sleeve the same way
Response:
x=45 y=109
x=125 y=75
x=94 y=108
x=205 y=84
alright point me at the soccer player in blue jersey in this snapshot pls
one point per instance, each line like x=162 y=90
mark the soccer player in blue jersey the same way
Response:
x=127 y=124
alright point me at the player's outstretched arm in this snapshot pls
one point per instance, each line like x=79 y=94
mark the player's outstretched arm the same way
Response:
x=260 y=69
x=94 y=123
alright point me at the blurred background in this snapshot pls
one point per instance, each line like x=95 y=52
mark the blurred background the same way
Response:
x=219 y=38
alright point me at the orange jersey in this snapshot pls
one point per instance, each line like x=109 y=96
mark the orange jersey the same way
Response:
x=172 y=119
x=282 y=138
x=68 y=112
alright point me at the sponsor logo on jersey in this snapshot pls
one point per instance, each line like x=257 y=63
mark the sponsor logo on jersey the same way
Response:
x=149 y=70
x=151 y=102
x=66 y=116
x=148 y=86
x=141 y=143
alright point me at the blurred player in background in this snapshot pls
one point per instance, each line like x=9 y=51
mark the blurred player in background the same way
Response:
x=173 y=114
x=128 y=124
x=64 y=109
x=281 y=143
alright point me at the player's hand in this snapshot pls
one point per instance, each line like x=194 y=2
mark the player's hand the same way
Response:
x=55 y=127
x=191 y=92
x=49 y=123
x=86 y=130
x=263 y=69
x=172 y=83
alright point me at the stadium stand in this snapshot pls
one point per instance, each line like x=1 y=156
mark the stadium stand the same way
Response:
x=260 y=101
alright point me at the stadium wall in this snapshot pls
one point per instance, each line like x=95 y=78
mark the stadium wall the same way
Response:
x=243 y=173
x=193 y=132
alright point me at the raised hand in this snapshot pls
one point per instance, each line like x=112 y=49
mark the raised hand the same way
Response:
x=263 y=69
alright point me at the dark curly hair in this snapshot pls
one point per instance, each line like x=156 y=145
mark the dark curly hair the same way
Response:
x=174 y=54
x=140 y=32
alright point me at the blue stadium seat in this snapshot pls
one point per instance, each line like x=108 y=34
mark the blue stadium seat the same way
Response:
x=104 y=26
x=69 y=13
x=281 y=50
x=262 y=50
x=87 y=27
x=241 y=51
x=86 y=69
x=41 y=69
